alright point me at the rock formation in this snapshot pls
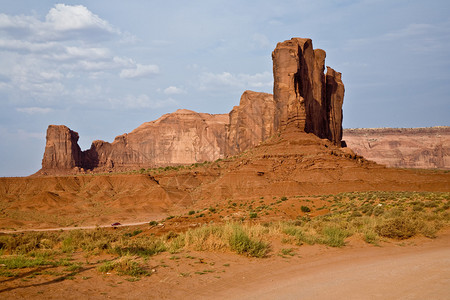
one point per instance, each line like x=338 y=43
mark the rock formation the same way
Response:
x=183 y=137
x=251 y=122
x=180 y=138
x=426 y=148
x=304 y=97
x=61 y=150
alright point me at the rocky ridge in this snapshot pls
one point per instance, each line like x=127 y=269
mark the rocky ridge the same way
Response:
x=426 y=148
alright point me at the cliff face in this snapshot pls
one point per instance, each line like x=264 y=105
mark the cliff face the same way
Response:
x=304 y=97
x=183 y=137
x=426 y=148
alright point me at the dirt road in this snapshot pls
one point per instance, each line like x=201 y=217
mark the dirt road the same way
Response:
x=393 y=272
x=72 y=228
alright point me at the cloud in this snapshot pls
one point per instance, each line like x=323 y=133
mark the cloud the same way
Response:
x=139 y=71
x=42 y=59
x=209 y=81
x=414 y=37
x=140 y=101
x=34 y=110
x=67 y=18
x=173 y=90
x=20 y=134
x=63 y=22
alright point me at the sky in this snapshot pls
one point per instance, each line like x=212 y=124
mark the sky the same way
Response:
x=104 y=67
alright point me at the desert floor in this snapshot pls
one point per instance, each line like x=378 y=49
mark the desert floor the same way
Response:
x=417 y=268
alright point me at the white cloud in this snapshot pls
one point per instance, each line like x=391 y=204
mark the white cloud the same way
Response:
x=66 y=17
x=34 y=110
x=210 y=81
x=63 y=22
x=139 y=71
x=173 y=90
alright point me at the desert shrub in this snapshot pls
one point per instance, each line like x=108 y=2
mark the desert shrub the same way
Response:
x=206 y=238
x=305 y=209
x=191 y=212
x=133 y=233
x=300 y=236
x=145 y=246
x=355 y=214
x=378 y=210
x=7 y=242
x=152 y=223
x=334 y=236
x=429 y=229
x=284 y=198
x=125 y=265
x=401 y=227
x=253 y=215
x=287 y=251
x=240 y=242
x=20 y=261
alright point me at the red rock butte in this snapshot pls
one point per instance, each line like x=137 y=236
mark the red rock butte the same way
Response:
x=304 y=98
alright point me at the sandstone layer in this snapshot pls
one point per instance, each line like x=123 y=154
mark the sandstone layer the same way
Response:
x=426 y=148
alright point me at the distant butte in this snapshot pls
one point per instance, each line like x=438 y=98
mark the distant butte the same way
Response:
x=305 y=98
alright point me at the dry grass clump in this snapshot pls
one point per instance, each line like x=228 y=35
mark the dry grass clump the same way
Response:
x=399 y=228
x=232 y=236
x=125 y=265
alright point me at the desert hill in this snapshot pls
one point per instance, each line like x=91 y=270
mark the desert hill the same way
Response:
x=292 y=164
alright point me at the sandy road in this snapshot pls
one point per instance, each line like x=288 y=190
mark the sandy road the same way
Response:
x=393 y=272
x=73 y=228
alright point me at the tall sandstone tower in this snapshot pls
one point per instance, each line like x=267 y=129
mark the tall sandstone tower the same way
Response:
x=304 y=96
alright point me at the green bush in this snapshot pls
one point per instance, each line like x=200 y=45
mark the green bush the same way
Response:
x=305 y=209
x=241 y=243
x=334 y=236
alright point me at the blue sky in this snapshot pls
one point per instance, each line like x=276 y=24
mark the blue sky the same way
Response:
x=104 y=67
